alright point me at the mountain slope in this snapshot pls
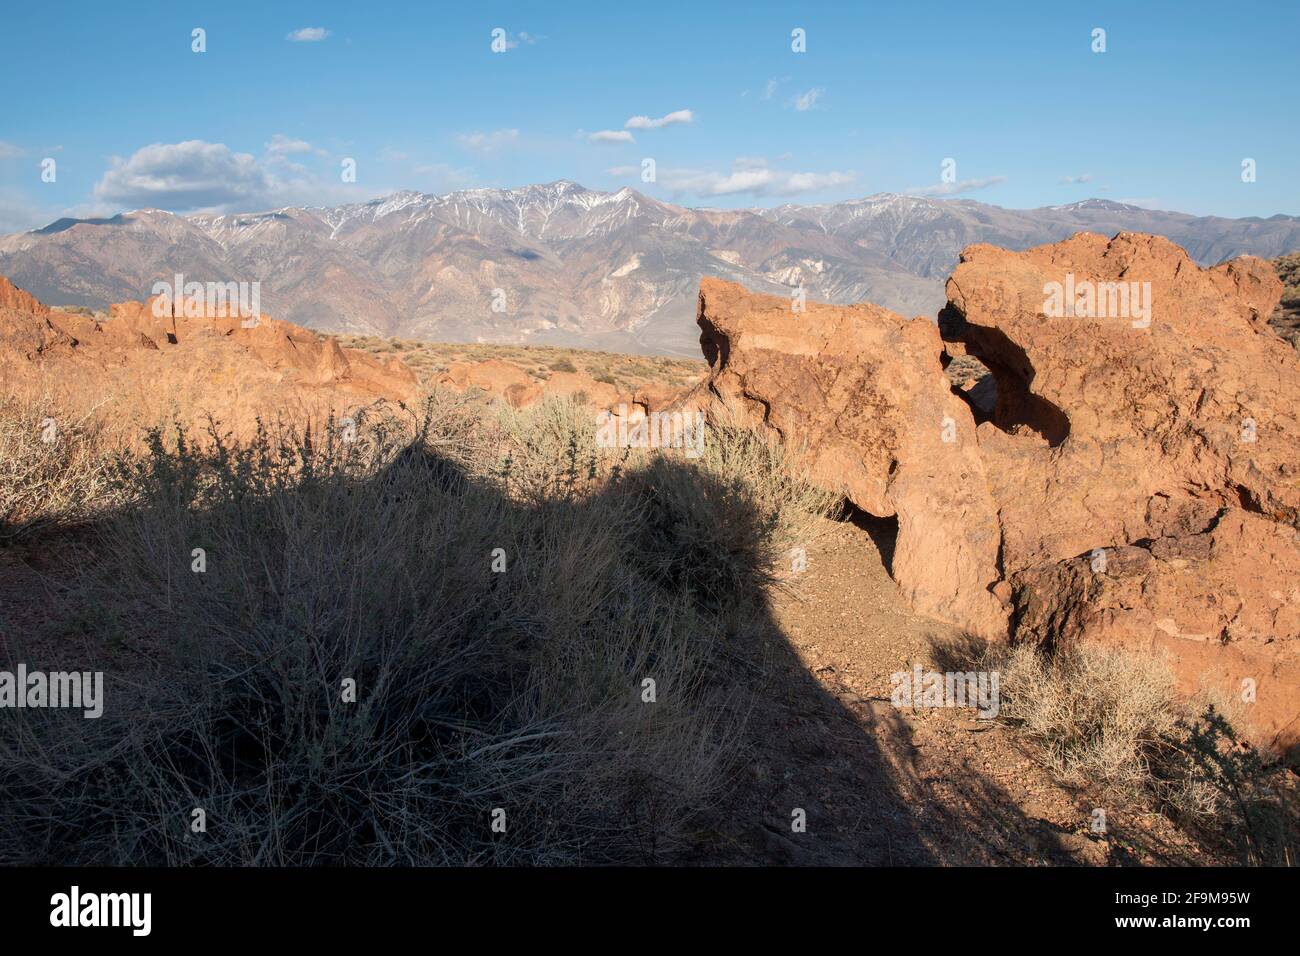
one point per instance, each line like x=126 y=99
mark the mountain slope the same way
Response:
x=573 y=266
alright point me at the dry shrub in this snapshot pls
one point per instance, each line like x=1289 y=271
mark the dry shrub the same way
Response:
x=1097 y=713
x=1110 y=717
x=716 y=533
x=371 y=561
x=50 y=483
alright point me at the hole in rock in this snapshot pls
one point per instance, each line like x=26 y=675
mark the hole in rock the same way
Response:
x=973 y=382
x=1017 y=408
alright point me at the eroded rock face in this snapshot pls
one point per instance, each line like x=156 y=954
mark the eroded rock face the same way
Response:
x=151 y=369
x=1099 y=414
x=1164 y=436
x=1224 y=603
x=1143 y=411
x=12 y=297
x=861 y=392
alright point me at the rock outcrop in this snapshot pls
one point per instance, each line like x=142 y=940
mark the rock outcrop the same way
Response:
x=149 y=369
x=14 y=298
x=1144 y=454
x=860 y=391
x=494 y=377
x=1224 y=603
x=1134 y=475
x=1107 y=423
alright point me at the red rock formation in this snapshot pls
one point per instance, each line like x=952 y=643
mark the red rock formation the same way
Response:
x=152 y=370
x=1224 y=603
x=576 y=384
x=1144 y=411
x=1095 y=418
x=1164 y=438
x=12 y=297
x=861 y=392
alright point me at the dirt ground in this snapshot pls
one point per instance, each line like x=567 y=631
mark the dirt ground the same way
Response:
x=884 y=786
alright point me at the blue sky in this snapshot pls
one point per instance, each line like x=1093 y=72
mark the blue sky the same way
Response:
x=885 y=92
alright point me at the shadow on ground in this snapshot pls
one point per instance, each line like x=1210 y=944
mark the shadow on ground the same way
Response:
x=223 y=688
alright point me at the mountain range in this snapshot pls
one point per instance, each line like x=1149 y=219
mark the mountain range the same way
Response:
x=560 y=264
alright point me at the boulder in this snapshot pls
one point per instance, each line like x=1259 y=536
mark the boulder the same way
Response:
x=1224 y=603
x=1098 y=414
x=1144 y=413
x=495 y=377
x=578 y=385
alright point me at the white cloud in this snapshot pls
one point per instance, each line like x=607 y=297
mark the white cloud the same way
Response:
x=673 y=118
x=611 y=136
x=192 y=175
x=1074 y=180
x=770 y=89
x=478 y=142
x=10 y=151
x=952 y=189
x=281 y=145
x=188 y=175
x=807 y=101
x=308 y=35
x=523 y=36
x=748 y=175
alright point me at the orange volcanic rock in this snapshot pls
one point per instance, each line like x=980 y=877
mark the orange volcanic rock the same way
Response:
x=1224 y=603
x=1145 y=411
x=599 y=394
x=656 y=398
x=152 y=369
x=860 y=392
x=1097 y=414
x=12 y=297
x=494 y=377
x=1139 y=408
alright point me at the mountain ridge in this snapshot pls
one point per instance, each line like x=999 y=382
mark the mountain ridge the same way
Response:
x=569 y=265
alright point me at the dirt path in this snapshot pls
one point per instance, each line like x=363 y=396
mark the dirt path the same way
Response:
x=884 y=786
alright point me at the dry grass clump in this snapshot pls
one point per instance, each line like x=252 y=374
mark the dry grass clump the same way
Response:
x=490 y=685
x=1097 y=713
x=54 y=470
x=1110 y=718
